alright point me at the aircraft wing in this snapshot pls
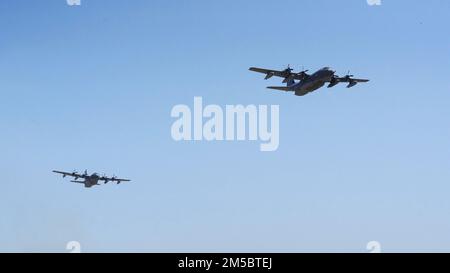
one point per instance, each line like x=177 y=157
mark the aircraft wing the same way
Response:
x=73 y=174
x=265 y=71
x=120 y=180
x=113 y=179
x=345 y=79
x=283 y=74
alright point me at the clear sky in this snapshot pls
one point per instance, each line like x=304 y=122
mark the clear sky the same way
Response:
x=92 y=87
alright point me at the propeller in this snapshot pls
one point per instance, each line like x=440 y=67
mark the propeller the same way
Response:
x=351 y=82
x=288 y=69
x=291 y=75
x=114 y=177
x=348 y=76
x=104 y=177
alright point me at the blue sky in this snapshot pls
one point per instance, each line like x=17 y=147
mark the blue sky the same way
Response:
x=92 y=87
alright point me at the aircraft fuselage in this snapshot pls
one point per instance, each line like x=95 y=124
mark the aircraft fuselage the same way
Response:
x=313 y=82
x=89 y=181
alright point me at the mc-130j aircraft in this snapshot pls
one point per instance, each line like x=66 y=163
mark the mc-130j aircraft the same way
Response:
x=90 y=180
x=306 y=83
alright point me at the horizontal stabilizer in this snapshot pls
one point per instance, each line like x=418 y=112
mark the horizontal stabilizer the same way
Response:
x=281 y=88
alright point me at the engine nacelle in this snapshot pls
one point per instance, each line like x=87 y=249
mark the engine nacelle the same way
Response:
x=332 y=83
x=289 y=79
x=269 y=75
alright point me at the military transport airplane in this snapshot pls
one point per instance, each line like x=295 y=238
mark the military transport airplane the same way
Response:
x=91 y=180
x=307 y=83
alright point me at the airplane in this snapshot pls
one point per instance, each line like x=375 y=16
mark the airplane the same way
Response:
x=307 y=83
x=91 y=180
